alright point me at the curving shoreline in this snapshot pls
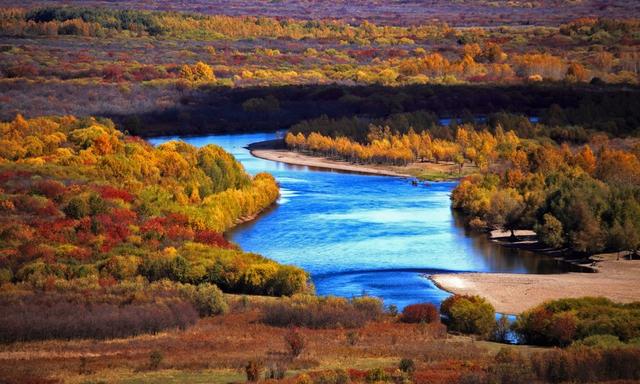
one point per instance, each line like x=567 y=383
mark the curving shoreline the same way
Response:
x=294 y=158
x=512 y=293
x=274 y=150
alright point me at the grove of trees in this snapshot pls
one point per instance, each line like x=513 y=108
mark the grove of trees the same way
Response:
x=84 y=205
x=582 y=196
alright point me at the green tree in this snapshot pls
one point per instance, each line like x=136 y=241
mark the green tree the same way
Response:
x=550 y=231
x=469 y=314
x=76 y=208
x=505 y=210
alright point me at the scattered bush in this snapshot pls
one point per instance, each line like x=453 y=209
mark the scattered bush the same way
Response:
x=587 y=364
x=600 y=341
x=209 y=300
x=337 y=376
x=353 y=337
x=295 y=342
x=155 y=359
x=510 y=367
x=563 y=321
x=407 y=365
x=253 y=369
x=277 y=371
x=376 y=375
x=418 y=313
x=468 y=314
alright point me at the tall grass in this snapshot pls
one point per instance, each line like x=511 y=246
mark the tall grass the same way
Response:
x=55 y=316
x=322 y=312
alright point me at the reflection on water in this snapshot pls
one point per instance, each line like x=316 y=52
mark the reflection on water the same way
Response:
x=360 y=233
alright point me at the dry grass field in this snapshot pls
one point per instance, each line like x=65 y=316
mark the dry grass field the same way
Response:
x=216 y=350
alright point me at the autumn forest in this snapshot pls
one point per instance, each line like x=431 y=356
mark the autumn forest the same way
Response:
x=314 y=192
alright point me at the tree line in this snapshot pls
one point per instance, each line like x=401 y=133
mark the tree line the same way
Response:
x=583 y=198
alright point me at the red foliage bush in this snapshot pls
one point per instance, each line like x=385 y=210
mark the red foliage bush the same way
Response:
x=80 y=254
x=445 y=372
x=417 y=313
x=180 y=232
x=31 y=251
x=154 y=227
x=212 y=238
x=357 y=375
x=48 y=210
x=113 y=72
x=108 y=192
x=123 y=215
x=115 y=231
x=50 y=188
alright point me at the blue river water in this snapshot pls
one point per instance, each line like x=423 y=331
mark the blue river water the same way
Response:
x=356 y=234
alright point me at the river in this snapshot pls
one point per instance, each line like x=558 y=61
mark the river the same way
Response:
x=358 y=234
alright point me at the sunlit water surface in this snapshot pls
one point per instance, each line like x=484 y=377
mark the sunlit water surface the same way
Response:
x=360 y=234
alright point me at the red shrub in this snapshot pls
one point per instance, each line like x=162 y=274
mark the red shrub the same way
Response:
x=123 y=215
x=179 y=232
x=79 y=253
x=212 y=238
x=49 y=210
x=177 y=219
x=50 y=188
x=436 y=376
x=114 y=230
x=29 y=251
x=417 y=313
x=155 y=226
x=108 y=192
x=113 y=72
x=357 y=374
x=108 y=281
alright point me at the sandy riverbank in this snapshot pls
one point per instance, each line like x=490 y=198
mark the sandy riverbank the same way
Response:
x=511 y=293
x=274 y=151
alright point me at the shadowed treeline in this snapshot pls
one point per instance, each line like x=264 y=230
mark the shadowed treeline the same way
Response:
x=614 y=109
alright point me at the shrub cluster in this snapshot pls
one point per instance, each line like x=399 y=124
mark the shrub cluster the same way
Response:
x=468 y=314
x=419 y=313
x=54 y=316
x=295 y=342
x=585 y=365
x=561 y=322
x=322 y=312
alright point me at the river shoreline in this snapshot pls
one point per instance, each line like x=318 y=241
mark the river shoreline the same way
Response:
x=510 y=293
x=616 y=278
x=607 y=275
x=275 y=150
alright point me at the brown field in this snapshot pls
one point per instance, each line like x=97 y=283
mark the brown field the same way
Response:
x=217 y=348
